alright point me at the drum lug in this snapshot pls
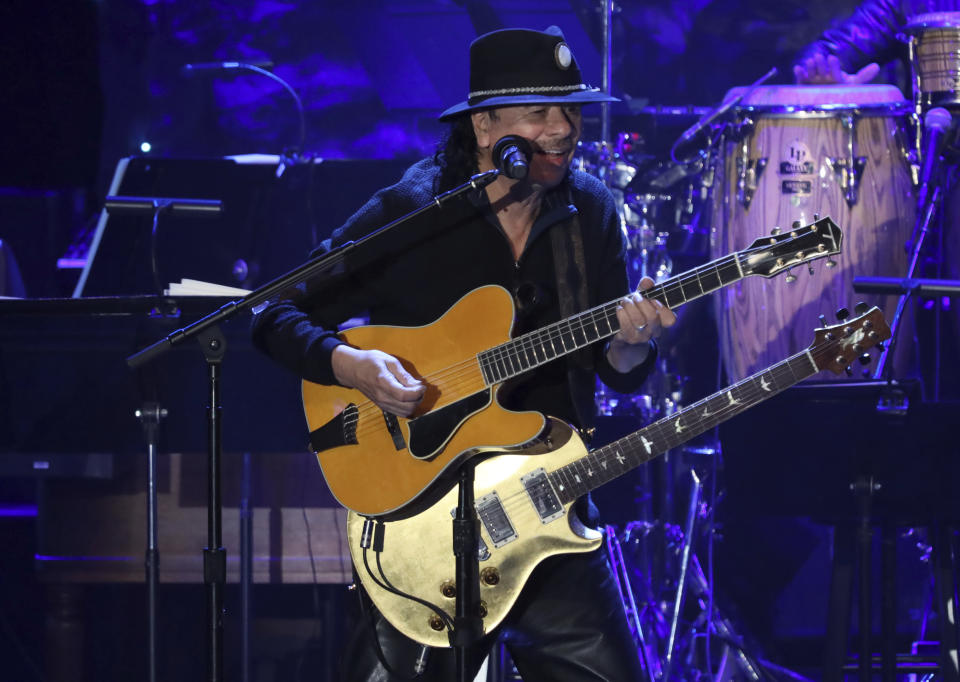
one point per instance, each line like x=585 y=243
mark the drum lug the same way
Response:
x=848 y=176
x=749 y=172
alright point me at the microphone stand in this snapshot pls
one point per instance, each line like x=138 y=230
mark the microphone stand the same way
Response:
x=920 y=232
x=212 y=341
x=708 y=119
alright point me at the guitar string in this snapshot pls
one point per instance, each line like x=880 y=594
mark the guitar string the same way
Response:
x=548 y=335
x=518 y=503
x=464 y=373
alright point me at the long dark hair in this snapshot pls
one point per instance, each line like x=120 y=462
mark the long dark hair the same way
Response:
x=457 y=154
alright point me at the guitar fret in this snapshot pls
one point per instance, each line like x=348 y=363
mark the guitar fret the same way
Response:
x=690 y=288
x=709 y=279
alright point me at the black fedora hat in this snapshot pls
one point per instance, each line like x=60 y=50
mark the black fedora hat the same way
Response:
x=521 y=66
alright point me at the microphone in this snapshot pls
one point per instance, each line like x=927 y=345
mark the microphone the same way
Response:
x=511 y=155
x=190 y=69
x=937 y=124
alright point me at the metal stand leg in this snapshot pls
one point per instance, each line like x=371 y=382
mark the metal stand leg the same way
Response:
x=888 y=652
x=946 y=593
x=150 y=415
x=615 y=554
x=684 y=564
x=838 y=606
x=246 y=568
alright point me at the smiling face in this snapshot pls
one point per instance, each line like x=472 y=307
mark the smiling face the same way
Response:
x=551 y=129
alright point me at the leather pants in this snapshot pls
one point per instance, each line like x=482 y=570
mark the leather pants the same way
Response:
x=567 y=625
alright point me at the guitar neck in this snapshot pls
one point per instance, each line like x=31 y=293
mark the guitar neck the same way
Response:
x=539 y=347
x=610 y=461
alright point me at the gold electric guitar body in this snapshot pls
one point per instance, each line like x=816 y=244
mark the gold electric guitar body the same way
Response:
x=418 y=552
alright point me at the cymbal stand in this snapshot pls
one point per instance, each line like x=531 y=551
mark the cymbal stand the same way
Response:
x=695 y=490
x=651 y=665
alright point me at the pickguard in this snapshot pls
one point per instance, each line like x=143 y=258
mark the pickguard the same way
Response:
x=429 y=433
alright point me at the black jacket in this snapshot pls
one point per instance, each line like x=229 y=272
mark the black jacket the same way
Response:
x=428 y=265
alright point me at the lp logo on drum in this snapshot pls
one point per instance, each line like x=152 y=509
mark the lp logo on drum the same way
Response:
x=795 y=160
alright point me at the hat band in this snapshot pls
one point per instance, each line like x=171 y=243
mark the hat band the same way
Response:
x=530 y=90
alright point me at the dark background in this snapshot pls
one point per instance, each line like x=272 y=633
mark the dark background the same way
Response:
x=86 y=82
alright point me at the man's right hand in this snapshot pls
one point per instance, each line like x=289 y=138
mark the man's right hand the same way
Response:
x=820 y=70
x=380 y=377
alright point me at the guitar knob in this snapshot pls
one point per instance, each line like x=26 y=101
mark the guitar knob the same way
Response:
x=490 y=576
x=842 y=314
x=861 y=307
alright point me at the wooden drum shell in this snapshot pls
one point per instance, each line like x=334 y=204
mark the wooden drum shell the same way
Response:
x=762 y=321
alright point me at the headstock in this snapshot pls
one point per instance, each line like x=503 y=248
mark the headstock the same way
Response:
x=836 y=346
x=769 y=256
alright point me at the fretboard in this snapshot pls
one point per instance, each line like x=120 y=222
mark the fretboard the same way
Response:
x=606 y=463
x=538 y=347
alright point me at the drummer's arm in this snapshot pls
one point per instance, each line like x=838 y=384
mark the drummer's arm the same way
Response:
x=849 y=52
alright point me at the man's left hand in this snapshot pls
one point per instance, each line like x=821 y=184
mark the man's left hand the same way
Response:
x=641 y=319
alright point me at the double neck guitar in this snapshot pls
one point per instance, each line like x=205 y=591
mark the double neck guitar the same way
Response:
x=377 y=464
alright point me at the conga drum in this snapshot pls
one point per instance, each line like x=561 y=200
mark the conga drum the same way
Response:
x=796 y=152
x=934 y=42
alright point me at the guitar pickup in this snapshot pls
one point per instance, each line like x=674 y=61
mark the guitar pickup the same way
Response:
x=393 y=427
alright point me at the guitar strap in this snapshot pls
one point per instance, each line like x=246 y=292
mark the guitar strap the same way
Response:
x=571 y=272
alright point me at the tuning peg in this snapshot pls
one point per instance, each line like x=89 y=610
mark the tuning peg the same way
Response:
x=881 y=347
x=831 y=263
x=790 y=276
x=816 y=217
x=865 y=359
x=861 y=307
x=810 y=270
x=775 y=231
x=795 y=225
x=848 y=371
x=823 y=320
x=842 y=314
